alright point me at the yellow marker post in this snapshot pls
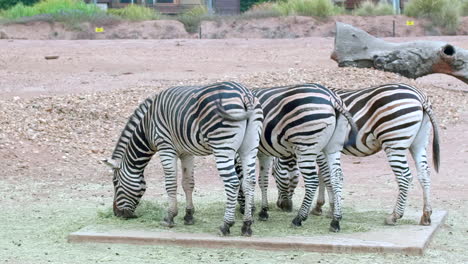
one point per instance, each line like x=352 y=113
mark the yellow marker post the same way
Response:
x=99 y=29
x=410 y=23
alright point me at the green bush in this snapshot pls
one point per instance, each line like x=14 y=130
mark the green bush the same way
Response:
x=69 y=12
x=261 y=10
x=444 y=13
x=5 y=4
x=135 y=13
x=192 y=18
x=18 y=11
x=58 y=6
x=465 y=8
x=369 y=8
x=246 y=5
x=51 y=7
x=319 y=8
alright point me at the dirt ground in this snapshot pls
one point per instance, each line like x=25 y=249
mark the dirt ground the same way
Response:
x=227 y=27
x=58 y=118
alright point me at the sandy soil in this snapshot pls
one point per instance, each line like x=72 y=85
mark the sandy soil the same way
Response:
x=59 y=117
x=227 y=27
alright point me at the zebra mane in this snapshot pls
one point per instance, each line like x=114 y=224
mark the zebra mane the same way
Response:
x=132 y=123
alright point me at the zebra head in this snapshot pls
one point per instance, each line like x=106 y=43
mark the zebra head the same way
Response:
x=128 y=189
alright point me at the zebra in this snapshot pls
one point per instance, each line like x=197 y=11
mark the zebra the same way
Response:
x=182 y=122
x=392 y=117
x=300 y=121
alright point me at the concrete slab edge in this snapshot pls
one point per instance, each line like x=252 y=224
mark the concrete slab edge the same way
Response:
x=285 y=244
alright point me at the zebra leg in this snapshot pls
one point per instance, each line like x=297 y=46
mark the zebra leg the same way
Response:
x=225 y=165
x=282 y=179
x=248 y=187
x=337 y=184
x=419 y=153
x=187 y=185
x=317 y=210
x=248 y=154
x=308 y=168
x=241 y=196
x=331 y=197
x=265 y=164
x=293 y=181
x=399 y=164
x=324 y=172
x=169 y=163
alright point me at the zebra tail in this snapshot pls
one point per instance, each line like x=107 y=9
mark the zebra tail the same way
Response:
x=237 y=117
x=435 y=140
x=354 y=129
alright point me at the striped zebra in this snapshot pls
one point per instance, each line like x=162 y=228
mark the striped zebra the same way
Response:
x=395 y=118
x=182 y=122
x=300 y=121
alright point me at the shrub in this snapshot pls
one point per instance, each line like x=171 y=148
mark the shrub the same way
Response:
x=18 y=11
x=192 y=18
x=246 y=5
x=69 y=12
x=465 y=8
x=369 y=8
x=262 y=10
x=135 y=13
x=319 y=8
x=58 y=6
x=5 y=4
x=445 y=13
x=51 y=7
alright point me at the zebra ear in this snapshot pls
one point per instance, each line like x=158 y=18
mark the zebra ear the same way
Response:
x=114 y=164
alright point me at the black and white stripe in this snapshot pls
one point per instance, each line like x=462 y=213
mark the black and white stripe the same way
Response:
x=181 y=122
x=300 y=121
x=395 y=118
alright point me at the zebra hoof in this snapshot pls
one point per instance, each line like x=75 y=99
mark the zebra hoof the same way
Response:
x=286 y=205
x=391 y=220
x=168 y=222
x=246 y=229
x=188 y=218
x=225 y=229
x=335 y=226
x=316 y=211
x=426 y=219
x=297 y=222
x=263 y=215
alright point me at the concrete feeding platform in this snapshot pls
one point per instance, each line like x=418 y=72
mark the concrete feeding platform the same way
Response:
x=405 y=239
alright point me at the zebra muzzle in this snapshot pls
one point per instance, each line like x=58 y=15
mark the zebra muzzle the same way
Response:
x=124 y=213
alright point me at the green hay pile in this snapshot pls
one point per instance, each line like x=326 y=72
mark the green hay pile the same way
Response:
x=208 y=217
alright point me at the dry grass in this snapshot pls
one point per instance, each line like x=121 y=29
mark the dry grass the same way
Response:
x=208 y=217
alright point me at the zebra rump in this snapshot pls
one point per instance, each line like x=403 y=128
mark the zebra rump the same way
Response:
x=300 y=121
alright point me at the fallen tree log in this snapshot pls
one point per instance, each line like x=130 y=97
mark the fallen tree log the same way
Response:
x=356 y=48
